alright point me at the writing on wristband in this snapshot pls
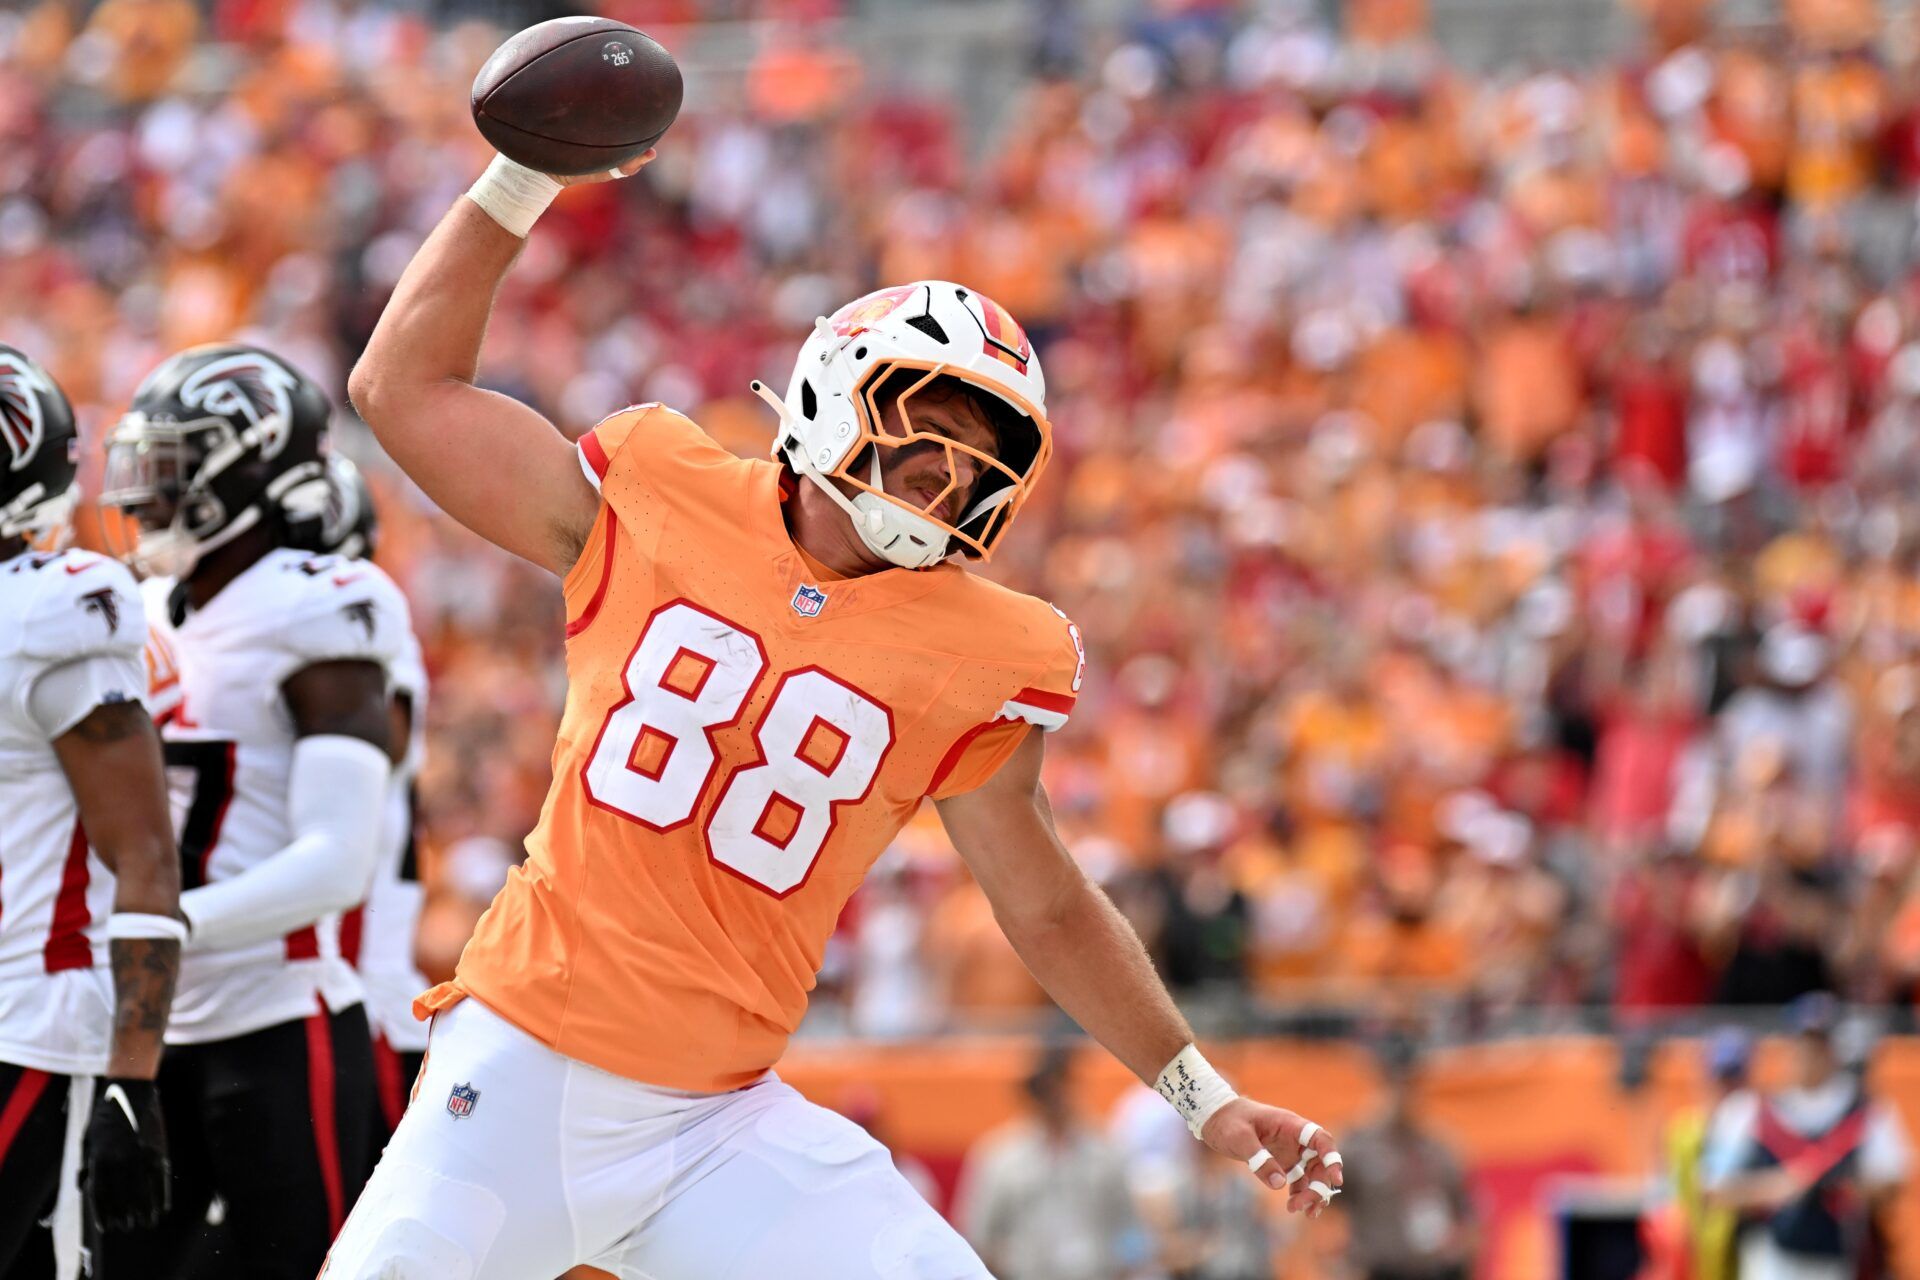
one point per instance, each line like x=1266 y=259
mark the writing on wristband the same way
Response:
x=140 y=924
x=1194 y=1088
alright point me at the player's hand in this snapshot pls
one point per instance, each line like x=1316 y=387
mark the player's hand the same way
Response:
x=626 y=170
x=123 y=1165
x=1283 y=1149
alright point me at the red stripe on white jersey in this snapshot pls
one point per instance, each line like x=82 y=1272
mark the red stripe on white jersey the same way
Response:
x=67 y=946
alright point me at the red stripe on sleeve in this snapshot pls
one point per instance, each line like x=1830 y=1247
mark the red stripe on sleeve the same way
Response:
x=1061 y=702
x=956 y=753
x=596 y=454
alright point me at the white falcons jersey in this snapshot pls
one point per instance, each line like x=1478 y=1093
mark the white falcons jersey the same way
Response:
x=391 y=917
x=229 y=741
x=56 y=998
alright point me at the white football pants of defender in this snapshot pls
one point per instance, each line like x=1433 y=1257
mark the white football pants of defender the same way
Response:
x=559 y=1163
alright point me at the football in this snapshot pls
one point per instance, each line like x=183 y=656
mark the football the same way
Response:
x=576 y=95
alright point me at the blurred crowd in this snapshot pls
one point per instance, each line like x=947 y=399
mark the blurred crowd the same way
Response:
x=1491 y=502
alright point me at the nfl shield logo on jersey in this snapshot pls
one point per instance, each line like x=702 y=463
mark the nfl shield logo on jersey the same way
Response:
x=808 y=601
x=461 y=1101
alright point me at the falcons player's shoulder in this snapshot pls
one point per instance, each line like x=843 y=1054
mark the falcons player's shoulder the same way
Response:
x=323 y=608
x=72 y=605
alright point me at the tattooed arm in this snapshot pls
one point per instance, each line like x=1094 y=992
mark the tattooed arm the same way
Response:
x=112 y=761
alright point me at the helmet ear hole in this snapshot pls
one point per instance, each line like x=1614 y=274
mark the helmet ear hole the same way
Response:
x=809 y=403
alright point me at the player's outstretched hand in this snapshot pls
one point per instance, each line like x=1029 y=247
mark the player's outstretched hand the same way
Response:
x=1283 y=1150
x=626 y=170
x=123 y=1167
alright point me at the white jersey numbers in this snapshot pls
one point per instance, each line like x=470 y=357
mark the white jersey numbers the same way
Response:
x=820 y=744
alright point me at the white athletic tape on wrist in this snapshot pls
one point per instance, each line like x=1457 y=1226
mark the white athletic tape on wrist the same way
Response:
x=1194 y=1088
x=513 y=195
x=137 y=924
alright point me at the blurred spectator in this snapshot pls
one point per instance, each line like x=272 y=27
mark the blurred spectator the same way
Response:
x=1811 y=1166
x=1691 y=1236
x=1046 y=1197
x=1409 y=1214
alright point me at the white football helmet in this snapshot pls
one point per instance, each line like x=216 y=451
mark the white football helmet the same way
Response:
x=830 y=416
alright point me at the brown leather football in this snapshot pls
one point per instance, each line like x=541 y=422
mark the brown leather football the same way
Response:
x=576 y=95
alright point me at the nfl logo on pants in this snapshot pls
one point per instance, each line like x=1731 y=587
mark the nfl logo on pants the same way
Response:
x=460 y=1101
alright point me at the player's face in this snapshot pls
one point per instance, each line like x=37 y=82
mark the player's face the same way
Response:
x=926 y=476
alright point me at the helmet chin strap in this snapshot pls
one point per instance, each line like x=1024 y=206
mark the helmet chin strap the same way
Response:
x=172 y=552
x=889 y=531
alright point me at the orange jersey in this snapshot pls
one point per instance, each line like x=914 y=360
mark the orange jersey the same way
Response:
x=741 y=741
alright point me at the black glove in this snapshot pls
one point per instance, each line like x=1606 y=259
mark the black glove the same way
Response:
x=123 y=1164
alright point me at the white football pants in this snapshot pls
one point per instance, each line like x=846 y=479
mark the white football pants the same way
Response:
x=556 y=1163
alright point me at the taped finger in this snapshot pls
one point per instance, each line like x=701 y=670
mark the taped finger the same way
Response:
x=1259 y=1159
x=615 y=174
x=1321 y=1189
x=1330 y=1160
x=1297 y=1172
x=1308 y=1134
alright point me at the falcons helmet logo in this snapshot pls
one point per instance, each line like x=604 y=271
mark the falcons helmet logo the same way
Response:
x=22 y=422
x=248 y=386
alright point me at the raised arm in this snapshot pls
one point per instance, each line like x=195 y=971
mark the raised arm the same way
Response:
x=492 y=463
x=1088 y=958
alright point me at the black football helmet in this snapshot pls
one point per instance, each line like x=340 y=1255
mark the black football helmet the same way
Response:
x=352 y=526
x=219 y=439
x=41 y=450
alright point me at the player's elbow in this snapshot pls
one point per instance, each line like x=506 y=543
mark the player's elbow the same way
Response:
x=370 y=391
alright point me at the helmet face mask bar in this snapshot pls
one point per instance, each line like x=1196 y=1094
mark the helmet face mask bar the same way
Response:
x=997 y=490
x=160 y=475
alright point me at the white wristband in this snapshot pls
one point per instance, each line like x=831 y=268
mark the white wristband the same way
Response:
x=1194 y=1088
x=137 y=924
x=513 y=195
